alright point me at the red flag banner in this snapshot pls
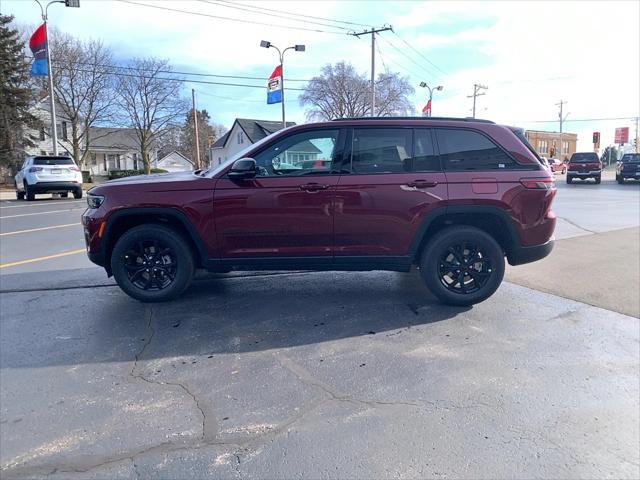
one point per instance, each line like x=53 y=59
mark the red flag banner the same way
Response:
x=427 y=108
x=38 y=46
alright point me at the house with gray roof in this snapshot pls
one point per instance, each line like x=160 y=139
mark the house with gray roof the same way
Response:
x=115 y=149
x=243 y=133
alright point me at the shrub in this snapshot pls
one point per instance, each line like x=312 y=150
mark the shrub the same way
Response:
x=132 y=173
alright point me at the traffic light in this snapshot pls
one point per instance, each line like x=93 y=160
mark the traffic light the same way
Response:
x=596 y=138
x=72 y=3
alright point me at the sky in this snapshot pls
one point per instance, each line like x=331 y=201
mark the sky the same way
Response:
x=530 y=54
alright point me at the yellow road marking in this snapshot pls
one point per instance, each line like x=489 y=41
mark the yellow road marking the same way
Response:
x=38 y=213
x=39 y=259
x=39 y=229
x=36 y=204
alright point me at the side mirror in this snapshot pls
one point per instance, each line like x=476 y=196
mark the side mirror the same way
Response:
x=242 y=169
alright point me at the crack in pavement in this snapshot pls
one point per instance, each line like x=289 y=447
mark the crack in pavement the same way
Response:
x=578 y=226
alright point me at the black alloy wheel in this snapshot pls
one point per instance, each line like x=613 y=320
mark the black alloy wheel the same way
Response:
x=150 y=265
x=464 y=268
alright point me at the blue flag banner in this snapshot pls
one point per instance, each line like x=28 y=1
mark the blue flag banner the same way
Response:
x=274 y=86
x=38 y=46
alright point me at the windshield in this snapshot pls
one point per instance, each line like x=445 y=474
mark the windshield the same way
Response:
x=52 y=161
x=214 y=170
x=631 y=157
x=584 y=157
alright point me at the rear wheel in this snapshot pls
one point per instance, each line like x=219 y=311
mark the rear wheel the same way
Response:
x=619 y=179
x=462 y=265
x=77 y=193
x=19 y=194
x=152 y=263
x=564 y=170
x=29 y=194
x=598 y=179
x=64 y=194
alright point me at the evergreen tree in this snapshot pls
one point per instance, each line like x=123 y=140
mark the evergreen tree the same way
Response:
x=15 y=95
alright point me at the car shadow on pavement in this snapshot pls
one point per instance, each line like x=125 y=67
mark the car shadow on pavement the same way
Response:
x=215 y=316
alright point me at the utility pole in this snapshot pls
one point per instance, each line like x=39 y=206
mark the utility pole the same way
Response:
x=373 y=32
x=562 y=119
x=476 y=93
x=52 y=103
x=637 y=139
x=195 y=123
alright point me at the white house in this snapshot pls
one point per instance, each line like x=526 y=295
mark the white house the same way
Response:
x=243 y=133
x=115 y=149
x=42 y=138
x=174 y=162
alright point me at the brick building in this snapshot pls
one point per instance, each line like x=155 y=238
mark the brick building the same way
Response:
x=546 y=142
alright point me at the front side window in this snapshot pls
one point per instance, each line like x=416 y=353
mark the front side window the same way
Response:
x=381 y=150
x=462 y=150
x=304 y=153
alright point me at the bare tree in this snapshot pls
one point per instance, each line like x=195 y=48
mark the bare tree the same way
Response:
x=84 y=87
x=150 y=98
x=341 y=92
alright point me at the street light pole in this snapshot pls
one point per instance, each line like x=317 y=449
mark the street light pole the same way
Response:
x=297 y=48
x=439 y=87
x=52 y=104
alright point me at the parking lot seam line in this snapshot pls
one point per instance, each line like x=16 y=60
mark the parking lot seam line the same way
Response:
x=39 y=229
x=66 y=202
x=39 y=259
x=577 y=226
x=38 y=213
x=57 y=289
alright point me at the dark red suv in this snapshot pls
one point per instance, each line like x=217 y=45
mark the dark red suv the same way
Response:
x=451 y=196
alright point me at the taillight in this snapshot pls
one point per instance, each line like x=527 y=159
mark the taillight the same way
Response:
x=74 y=168
x=538 y=183
x=35 y=169
x=622 y=167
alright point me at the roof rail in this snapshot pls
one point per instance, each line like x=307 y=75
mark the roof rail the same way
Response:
x=459 y=119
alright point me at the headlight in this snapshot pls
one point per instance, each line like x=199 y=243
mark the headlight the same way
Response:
x=94 y=201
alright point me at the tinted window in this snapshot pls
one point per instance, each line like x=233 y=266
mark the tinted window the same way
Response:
x=52 y=161
x=299 y=154
x=424 y=157
x=631 y=157
x=584 y=157
x=381 y=150
x=468 y=150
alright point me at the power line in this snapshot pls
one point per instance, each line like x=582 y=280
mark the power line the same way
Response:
x=577 y=120
x=259 y=11
x=406 y=56
x=200 y=14
x=402 y=66
x=120 y=74
x=302 y=15
x=244 y=100
x=420 y=54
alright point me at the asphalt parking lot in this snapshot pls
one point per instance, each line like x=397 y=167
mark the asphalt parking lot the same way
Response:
x=323 y=375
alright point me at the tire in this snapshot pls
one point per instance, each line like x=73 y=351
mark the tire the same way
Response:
x=19 y=194
x=619 y=179
x=30 y=195
x=64 y=194
x=177 y=260
x=598 y=180
x=471 y=290
x=569 y=180
x=564 y=170
x=77 y=194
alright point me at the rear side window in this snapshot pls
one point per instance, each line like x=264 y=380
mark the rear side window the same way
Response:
x=52 y=161
x=381 y=150
x=424 y=157
x=584 y=157
x=462 y=150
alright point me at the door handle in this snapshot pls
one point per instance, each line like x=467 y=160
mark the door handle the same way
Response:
x=422 y=184
x=313 y=187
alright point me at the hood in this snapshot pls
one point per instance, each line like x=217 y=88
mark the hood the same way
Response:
x=152 y=178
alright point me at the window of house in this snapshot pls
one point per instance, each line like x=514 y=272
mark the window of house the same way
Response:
x=64 y=131
x=42 y=134
x=240 y=138
x=283 y=158
x=565 y=147
x=43 y=152
x=135 y=161
x=94 y=159
x=462 y=150
x=381 y=150
x=424 y=158
x=543 y=147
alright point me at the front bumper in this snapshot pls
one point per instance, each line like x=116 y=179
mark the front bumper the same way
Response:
x=520 y=255
x=51 y=187
x=635 y=175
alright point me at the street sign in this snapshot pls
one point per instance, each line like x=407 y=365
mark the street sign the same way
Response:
x=72 y=3
x=622 y=135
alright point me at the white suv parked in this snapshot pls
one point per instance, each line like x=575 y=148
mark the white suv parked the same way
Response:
x=46 y=174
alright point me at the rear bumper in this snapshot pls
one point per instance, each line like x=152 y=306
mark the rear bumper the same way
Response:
x=591 y=174
x=520 y=255
x=47 y=187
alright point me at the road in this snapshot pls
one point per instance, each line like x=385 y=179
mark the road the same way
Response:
x=332 y=375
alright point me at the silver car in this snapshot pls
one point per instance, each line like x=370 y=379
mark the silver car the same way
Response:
x=48 y=174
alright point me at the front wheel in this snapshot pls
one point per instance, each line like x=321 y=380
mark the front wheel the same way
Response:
x=569 y=180
x=19 y=194
x=462 y=265
x=152 y=263
x=77 y=194
x=598 y=180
